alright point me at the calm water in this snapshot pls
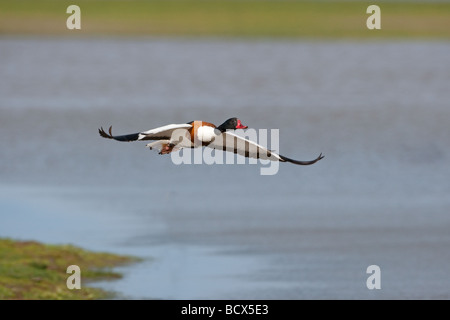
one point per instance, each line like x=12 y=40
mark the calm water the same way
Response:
x=378 y=111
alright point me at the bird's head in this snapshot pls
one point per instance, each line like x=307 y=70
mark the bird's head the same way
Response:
x=232 y=124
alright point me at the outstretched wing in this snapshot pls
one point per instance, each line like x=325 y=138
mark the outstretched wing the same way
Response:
x=231 y=142
x=161 y=133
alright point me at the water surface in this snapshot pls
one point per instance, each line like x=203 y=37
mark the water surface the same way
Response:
x=378 y=111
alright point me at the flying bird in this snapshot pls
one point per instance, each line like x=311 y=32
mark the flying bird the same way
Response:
x=173 y=137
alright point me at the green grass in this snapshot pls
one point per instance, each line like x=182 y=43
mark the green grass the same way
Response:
x=31 y=270
x=276 y=18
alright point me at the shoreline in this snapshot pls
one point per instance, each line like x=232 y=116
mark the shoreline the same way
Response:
x=30 y=270
x=221 y=18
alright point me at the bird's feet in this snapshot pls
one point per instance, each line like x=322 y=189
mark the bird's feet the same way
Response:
x=167 y=148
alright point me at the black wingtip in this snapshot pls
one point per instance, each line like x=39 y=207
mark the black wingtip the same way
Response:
x=102 y=133
x=320 y=157
x=303 y=163
x=126 y=138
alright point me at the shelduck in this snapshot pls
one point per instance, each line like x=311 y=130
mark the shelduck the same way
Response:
x=194 y=134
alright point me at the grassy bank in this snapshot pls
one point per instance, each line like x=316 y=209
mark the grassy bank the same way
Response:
x=226 y=18
x=30 y=270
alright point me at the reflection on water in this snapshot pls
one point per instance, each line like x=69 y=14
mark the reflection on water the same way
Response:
x=378 y=111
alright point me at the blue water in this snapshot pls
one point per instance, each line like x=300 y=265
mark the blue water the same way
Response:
x=378 y=111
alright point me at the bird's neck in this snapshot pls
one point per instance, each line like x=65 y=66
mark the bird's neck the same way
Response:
x=222 y=128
